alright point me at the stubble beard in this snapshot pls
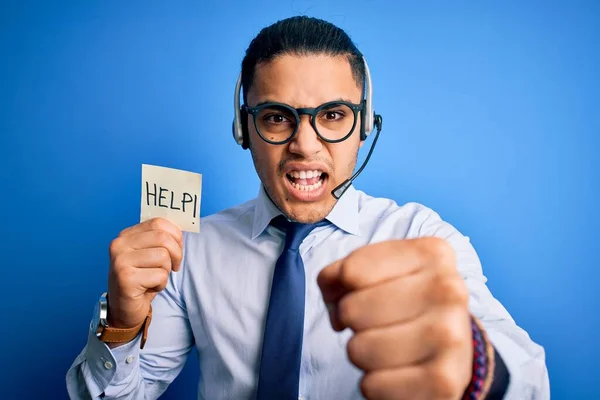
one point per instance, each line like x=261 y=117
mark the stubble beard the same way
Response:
x=308 y=212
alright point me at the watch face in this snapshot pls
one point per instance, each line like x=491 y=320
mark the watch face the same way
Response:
x=100 y=315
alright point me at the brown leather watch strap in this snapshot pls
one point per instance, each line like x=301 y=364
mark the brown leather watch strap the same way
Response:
x=125 y=335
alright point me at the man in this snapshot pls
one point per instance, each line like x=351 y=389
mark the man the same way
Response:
x=299 y=294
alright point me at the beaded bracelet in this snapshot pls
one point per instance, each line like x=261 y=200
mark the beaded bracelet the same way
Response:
x=483 y=364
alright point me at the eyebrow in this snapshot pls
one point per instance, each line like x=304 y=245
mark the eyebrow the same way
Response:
x=281 y=102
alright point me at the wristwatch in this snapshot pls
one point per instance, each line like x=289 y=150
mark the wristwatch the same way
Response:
x=108 y=334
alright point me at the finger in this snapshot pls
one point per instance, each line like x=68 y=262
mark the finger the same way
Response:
x=391 y=302
x=152 y=279
x=332 y=291
x=330 y=284
x=391 y=347
x=150 y=239
x=156 y=224
x=155 y=257
x=394 y=384
x=399 y=300
x=373 y=264
x=410 y=343
x=439 y=378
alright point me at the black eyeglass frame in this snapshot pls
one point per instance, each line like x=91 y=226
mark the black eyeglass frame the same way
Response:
x=312 y=112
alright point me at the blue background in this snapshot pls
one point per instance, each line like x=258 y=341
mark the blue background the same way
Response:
x=491 y=117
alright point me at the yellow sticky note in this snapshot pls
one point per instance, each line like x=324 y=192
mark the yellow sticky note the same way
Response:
x=172 y=194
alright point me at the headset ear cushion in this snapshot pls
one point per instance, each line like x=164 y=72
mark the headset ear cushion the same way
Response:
x=363 y=134
x=245 y=133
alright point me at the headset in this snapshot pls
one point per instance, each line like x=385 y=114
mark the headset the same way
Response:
x=369 y=121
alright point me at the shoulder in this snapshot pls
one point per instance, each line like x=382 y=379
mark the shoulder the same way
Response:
x=407 y=220
x=384 y=219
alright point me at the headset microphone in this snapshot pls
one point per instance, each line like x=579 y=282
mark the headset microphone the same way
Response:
x=341 y=189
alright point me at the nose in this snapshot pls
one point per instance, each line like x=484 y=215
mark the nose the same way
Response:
x=305 y=142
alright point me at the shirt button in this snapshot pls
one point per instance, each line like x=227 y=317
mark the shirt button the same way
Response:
x=108 y=365
x=129 y=359
x=300 y=398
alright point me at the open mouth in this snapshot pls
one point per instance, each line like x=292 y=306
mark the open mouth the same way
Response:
x=306 y=181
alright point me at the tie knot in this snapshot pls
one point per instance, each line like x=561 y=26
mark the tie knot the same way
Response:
x=295 y=232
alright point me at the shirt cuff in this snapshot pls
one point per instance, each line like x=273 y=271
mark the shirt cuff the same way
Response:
x=107 y=365
x=490 y=377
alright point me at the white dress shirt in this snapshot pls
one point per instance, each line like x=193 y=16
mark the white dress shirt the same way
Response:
x=218 y=302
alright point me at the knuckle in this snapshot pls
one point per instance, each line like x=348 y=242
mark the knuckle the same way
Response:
x=440 y=250
x=178 y=256
x=161 y=237
x=444 y=382
x=126 y=274
x=449 y=331
x=122 y=273
x=115 y=246
x=163 y=280
x=452 y=290
x=460 y=292
x=445 y=252
x=350 y=274
x=161 y=254
x=118 y=265
x=179 y=235
x=444 y=329
x=157 y=223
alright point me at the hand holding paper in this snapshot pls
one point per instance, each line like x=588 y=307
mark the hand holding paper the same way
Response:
x=143 y=255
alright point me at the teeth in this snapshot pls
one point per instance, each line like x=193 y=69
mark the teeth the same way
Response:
x=305 y=174
x=308 y=188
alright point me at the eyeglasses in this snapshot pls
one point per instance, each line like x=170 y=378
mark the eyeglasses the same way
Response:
x=277 y=123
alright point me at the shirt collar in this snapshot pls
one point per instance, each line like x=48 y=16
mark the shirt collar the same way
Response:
x=344 y=214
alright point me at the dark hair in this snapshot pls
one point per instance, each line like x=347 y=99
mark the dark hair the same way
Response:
x=300 y=35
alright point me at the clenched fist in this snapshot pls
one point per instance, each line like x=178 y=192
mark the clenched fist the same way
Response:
x=407 y=306
x=141 y=259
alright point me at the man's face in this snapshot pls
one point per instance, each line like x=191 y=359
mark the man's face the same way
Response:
x=304 y=81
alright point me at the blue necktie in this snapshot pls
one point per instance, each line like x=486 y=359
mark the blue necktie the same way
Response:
x=282 y=344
